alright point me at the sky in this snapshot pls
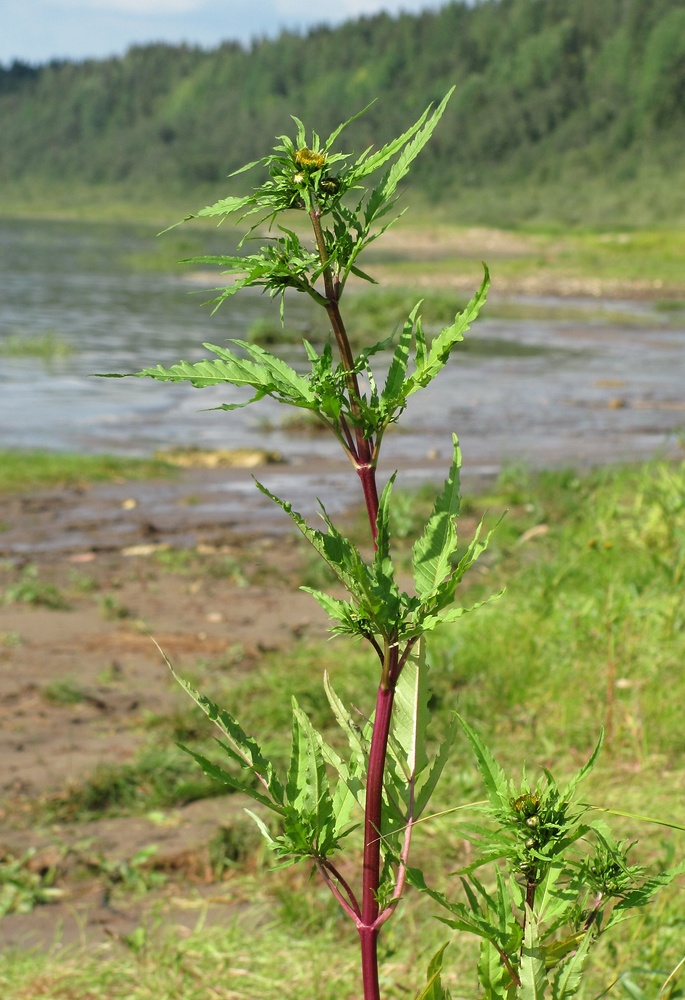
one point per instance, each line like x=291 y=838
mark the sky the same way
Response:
x=36 y=31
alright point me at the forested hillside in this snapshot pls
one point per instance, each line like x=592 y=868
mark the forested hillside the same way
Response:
x=565 y=96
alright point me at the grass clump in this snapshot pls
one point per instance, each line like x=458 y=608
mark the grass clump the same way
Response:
x=156 y=779
x=30 y=589
x=23 y=888
x=591 y=630
x=48 y=346
x=63 y=692
x=31 y=470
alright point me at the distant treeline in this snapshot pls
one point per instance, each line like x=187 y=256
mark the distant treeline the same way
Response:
x=546 y=89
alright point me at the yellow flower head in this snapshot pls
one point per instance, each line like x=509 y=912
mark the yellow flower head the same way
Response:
x=307 y=159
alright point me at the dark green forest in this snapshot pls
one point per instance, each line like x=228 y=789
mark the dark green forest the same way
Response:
x=573 y=109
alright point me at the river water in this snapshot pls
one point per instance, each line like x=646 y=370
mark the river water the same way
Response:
x=541 y=392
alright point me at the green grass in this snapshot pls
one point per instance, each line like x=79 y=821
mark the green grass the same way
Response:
x=63 y=692
x=30 y=589
x=602 y=258
x=589 y=632
x=31 y=470
x=157 y=778
x=47 y=346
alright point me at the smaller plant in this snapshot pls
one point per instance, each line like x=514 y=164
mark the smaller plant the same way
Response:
x=48 y=346
x=63 y=692
x=113 y=610
x=29 y=589
x=136 y=876
x=560 y=882
x=155 y=779
x=22 y=889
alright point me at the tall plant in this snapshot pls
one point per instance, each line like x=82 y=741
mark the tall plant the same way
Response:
x=387 y=776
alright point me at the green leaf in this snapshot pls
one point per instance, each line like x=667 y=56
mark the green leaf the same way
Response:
x=433 y=550
x=227 y=206
x=642 y=894
x=532 y=964
x=398 y=367
x=244 y=749
x=382 y=555
x=585 y=769
x=410 y=713
x=434 y=990
x=341 y=555
x=441 y=347
x=263 y=828
x=333 y=606
x=569 y=974
x=218 y=774
x=375 y=161
x=491 y=972
x=494 y=778
x=413 y=141
x=283 y=376
x=356 y=737
x=425 y=790
x=307 y=788
x=349 y=790
x=336 y=132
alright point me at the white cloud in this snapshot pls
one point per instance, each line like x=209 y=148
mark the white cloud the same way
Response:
x=40 y=30
x=143 y=8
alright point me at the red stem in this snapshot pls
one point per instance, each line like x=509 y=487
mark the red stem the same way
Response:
x=364 y=458
x=369 y=942
x=369 y=928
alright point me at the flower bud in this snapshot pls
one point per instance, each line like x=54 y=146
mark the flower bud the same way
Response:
x=329 y=185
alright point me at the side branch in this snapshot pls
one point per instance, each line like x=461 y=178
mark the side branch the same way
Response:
x=404 y=859
x=330 y=876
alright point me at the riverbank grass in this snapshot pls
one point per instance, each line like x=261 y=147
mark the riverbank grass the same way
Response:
x=590 y=632
x=21 y=471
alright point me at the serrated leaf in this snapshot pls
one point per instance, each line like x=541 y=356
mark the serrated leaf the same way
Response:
x=336 y=132
x=262 y=371
x=532 y=972
x=494 y=778
x=349 y=788
x=410 y=715
x=282 y=374
x=398 y=367
x=227 y=206
x=333 y=606
x=374 y=161
x=433 y=550
x=436 y=358
x=585 y=769
x=217 y=773
x=434 y=990
x=359 y=745
x=642 y=894
x=381 y=558
x=425 y=790
x=411 y=143
x=341 y=555
x=263 y=828
x=307 y=788
x=491 y=973
x=246 y=751
x=569 y=974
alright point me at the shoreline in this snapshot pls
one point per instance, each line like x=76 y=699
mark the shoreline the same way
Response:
x=212 y=509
